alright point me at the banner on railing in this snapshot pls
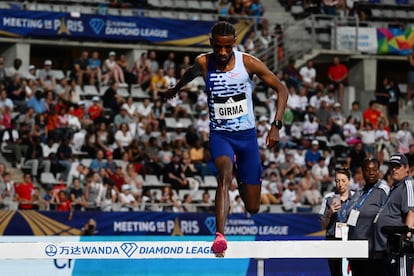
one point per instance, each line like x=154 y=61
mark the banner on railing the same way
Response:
x=95 y=27
x=41 y=223
x=347 y=39
x=375 y=41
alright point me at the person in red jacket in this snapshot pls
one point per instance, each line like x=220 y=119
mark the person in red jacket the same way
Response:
x=338 y=78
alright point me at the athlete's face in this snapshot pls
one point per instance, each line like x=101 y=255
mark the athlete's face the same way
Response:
x=222 y=48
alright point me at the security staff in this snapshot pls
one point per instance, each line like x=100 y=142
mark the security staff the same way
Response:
x=398 y=210
x=365 y=207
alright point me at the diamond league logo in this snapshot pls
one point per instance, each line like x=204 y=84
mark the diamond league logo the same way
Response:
x=211 y=224
x=96 y=24
x=129 y=248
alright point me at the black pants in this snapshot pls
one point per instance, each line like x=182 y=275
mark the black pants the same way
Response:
x=367 y=267
x=335 y=266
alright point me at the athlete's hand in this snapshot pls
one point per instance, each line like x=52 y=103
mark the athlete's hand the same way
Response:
x=272 y=139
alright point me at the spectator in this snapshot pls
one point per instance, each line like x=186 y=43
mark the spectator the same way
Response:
x=355 y=157
x=357 y=115
x=123 y=138
x=24 y=191
x=320 y=173
x=329 y=7
x=187 y=205
x=124 y=65
x=338 y=78
x=291 y=74
x=46 y=76
x=290 y=198
x=382 y=97
x=107 y=197
x=142 y=70
x=13 y=140
x=223 y=8
x=95 y=111
x=308 y=76
x=76 y=195
x=65 y=158
x=37 y=102
x=404 y=138
x=309 y=189
x=5 y=101
x=373 y=115
x=95 y=64
x=169 y=63
x=91 y=193
x=237 y=207
x=206 y=205
x=393 y=105
x=3 y=75
x=34 y=158
x=158 y=84
x=82 y=73
x=111 y=99
x=7 y=192
x=16 y=93
x=113 y=71
x=174 y=174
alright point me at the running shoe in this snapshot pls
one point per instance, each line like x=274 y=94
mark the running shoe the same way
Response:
x=219 y=245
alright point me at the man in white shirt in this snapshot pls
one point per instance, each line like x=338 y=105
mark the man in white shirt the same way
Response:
x=308 y=74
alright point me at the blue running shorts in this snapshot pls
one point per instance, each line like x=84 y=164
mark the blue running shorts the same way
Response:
x=242 y=147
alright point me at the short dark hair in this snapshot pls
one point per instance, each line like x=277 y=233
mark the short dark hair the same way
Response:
x=370 y=160
x=223 y=28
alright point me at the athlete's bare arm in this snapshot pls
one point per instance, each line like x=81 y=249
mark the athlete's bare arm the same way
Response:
x=197 y=69
x=254 y=66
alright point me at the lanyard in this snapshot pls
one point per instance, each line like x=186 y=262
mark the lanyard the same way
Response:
x=364 y=198
x=342 y=212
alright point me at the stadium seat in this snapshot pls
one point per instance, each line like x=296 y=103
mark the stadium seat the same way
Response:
x=209 y=181
x=47 y=178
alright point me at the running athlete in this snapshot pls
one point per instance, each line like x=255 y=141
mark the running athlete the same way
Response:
x=229 y=86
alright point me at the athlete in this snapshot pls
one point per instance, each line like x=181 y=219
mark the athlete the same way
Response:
x=228 y=77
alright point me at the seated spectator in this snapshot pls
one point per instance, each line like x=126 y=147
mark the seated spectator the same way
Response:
x=291 y=74
x=34 y=158
x=76 y=195
x=98 y=162
x=123 y=138
x=24 y=191
x=95 y=111
x=113 y=71
x=290 y=198
x=337 y=73
x=404 y=138
x=142 y=71
x=95 y=64
x=174 y=174
x=308 y=75
x=158 y=84
x=46 y=76
x=16 y=93
x=13 y=140
x=81 y=72
x=7 y=193
x=309 y=190
x=112 y=100
x=169 y=200
x=206 y=205
x=367 y=135
x=237 y=207
x=65 y=158
x=107 y=197
x=223 y=8
x=355 y=157
x=126 y=70
x=187 y=205
x=63 y=204
x=91 y=193
x=320 y=173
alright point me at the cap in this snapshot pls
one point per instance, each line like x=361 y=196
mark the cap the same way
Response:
x=126 y=187
x=95 y=99
x=81 y=103
x=398 y=158
x=48 y=62
x=203 y=112
x=315 y=142
x=112 y=53
x=337 y=105
x=263 y=118
x=109 y=153
x=32 y=67
x=179 y=125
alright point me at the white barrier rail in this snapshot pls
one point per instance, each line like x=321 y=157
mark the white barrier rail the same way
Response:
x=183 y=250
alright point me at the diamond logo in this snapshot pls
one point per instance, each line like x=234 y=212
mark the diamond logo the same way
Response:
x=129 y=248
x=96 y=24
x=211 y=224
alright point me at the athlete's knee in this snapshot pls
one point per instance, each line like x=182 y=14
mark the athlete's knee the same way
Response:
x=253 y=208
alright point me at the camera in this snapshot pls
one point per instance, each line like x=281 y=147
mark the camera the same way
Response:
x=399 y=244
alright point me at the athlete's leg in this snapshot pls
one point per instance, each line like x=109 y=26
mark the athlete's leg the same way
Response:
x=252 y=203
x=225 y=176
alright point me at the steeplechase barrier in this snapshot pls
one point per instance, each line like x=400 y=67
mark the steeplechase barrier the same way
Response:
x=259 y=250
